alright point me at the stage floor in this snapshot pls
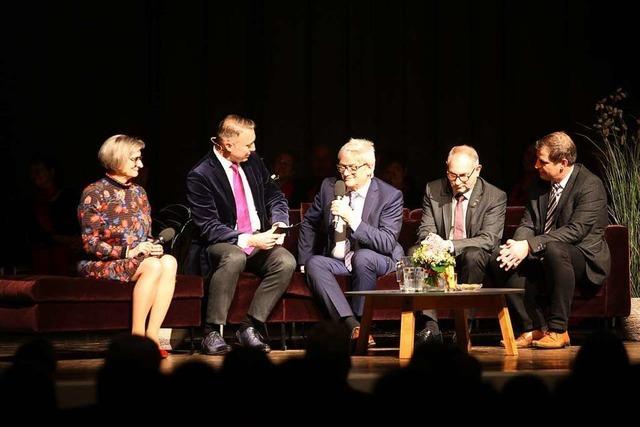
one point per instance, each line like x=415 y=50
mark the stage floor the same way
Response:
x=80 y=360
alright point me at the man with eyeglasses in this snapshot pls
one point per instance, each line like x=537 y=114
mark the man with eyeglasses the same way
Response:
x=467 y=213
x=371 y=214
x=558 y=246
x=237 y=208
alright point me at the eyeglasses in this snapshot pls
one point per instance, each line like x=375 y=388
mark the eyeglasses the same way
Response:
x=463 y=177
x=350 y=168
x=135 y=159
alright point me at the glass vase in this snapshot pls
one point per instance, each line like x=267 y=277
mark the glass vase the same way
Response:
x=435 y=282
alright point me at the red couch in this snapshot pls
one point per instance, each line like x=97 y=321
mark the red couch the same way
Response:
x=58 y=303
x=611 y=301
x=61 y=304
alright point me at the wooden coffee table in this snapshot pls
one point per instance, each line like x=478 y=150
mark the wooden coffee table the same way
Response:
x=491 y=299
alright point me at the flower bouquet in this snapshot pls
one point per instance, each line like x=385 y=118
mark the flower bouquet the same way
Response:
x=433 y=255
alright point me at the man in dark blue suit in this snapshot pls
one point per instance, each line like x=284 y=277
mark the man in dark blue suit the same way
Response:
x=369 y=217
x=237 y=208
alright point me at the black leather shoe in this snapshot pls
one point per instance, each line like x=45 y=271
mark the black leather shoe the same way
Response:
x=252 y=338
x=430 y=334
x=214 y=344
x=454 y=337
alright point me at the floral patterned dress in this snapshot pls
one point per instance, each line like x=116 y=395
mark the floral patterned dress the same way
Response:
x=113 y=217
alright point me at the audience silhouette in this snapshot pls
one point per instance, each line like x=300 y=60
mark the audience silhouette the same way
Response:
x=27 y=386
x=438 y=377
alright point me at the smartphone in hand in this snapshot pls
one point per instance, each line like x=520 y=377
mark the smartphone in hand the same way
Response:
x=281 y=230
x=285 y=229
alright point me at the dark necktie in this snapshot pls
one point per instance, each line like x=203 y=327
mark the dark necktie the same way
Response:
x=554 y=197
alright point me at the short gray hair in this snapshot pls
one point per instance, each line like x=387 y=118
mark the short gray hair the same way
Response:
x=467 y=150
x=362 y=149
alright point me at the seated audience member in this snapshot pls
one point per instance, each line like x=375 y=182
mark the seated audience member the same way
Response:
x=115 y=222
x=321 y=166
x=396 y=174
x=54 y=235
x=27 y=386
x=528 y=174
x=129 y=382
x=284 y=176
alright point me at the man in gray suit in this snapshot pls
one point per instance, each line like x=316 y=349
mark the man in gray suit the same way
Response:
x=559 y=244
x=468 y=213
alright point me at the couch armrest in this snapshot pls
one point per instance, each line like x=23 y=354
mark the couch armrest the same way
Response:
x=618 y=287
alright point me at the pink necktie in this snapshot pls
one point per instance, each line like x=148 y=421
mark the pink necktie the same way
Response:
x=458 y=219
x=242 y=210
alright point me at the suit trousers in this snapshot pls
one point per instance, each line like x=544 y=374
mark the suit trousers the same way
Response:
x=471 y=265
x=549 y=281
x=366 y=266
x=275 y=266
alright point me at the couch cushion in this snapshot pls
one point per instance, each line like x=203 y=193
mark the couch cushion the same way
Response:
x=58 y=303
x=299 y=288
x=33 y=289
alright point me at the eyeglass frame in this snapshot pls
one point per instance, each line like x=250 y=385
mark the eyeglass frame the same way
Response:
x=351 y=168
x=457 y=176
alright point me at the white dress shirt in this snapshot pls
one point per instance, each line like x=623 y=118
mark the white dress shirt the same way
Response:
x=357 y=198
x=253 y=213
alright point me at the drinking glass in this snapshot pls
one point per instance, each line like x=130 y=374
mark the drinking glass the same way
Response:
x=413 y=278
x=404 y=261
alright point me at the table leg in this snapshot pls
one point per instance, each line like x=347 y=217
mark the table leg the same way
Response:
x=407 y=333
x=462 y=329
x=365 y=325
x=507 y=332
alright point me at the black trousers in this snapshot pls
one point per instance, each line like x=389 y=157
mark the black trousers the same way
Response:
x=471 y=265
x=549 y=281
x=275 y=266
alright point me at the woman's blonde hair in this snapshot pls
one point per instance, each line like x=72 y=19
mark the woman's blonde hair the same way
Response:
x=115 y=151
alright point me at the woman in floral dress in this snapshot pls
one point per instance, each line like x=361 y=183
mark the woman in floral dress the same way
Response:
x=115 y=221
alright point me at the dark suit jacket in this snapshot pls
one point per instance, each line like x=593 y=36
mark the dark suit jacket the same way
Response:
x=378 y=231
x=580 y=220
x=212 y=204
x=484 y=221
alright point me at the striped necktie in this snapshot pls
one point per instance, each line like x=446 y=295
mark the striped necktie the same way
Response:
x=554 y=197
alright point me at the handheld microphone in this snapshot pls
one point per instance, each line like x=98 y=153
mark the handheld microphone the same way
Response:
x=339 y=190
x=166 y=235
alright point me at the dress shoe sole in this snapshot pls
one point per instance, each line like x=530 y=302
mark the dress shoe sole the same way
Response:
x=264 y=350
x=529 y=345
x=216 y=353
x=559 y=347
